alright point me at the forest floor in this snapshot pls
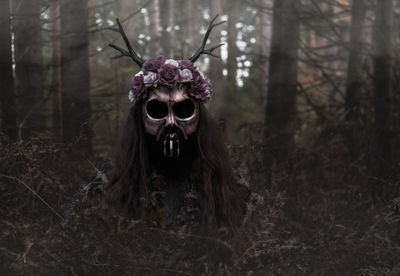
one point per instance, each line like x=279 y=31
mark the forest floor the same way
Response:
x=313 y=215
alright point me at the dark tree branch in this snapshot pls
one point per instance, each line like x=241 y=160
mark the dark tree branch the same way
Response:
x=209 y=51
x=132 y=54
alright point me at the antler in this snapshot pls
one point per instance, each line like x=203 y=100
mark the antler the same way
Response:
x=209 y=51
x=132 y=54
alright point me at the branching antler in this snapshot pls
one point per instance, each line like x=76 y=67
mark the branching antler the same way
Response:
x=209 y=51
x=130 y=53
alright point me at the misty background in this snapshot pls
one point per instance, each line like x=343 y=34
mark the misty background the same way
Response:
x=307 y=93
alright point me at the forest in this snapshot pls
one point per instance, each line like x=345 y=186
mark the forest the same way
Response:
x=305 y=92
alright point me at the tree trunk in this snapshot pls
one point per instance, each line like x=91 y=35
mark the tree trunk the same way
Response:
x=354 y=83
x=383 y=86
x=167 y=28
x=332 y=52
x=263 y=48
x=125 y=10
x=154 y=16
x=232 y=7
x=28 y=66
x=282 y=82
x=186 y=22
x=172 y=22
x=217 y=105
x=56 y=69
x=75 y=72
x=7 y=95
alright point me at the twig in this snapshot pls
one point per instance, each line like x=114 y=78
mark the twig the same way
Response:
x=318 y=110
x=98 y=172
x=33 y=192
x=247 y=252
x=175 y=272
x=211 y=240
x=26 y=251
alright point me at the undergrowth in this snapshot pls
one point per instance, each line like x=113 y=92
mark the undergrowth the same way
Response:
x=312 y=215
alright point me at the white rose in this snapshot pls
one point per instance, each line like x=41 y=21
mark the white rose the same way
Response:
x=185 y=75
x=172 y=61
x=149 y=79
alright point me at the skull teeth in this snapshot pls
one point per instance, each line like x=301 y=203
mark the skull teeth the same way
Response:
x=171 y=145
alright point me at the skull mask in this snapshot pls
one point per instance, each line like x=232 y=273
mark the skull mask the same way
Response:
x=170 y=115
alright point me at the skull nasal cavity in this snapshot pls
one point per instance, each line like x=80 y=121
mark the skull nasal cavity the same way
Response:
x=171 y=128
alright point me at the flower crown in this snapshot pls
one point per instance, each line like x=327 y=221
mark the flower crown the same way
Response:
x=170 y=73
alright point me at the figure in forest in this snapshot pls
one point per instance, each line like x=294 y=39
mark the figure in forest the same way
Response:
x=171 y=167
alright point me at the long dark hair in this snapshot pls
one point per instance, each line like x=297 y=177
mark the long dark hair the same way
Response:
x=128 y=187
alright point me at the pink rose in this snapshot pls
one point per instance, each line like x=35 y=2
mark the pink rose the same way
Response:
x=152 y=64
x=168 y=75
x=137 y=87
x=200 y=87
x=199 y=83
x=206 y=95
x=187 y=64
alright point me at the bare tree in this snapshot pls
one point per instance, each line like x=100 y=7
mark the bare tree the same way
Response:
x=28 y=66
x=233 y=14
x=7 y=95
x=282 y=82
x=354 y=85
x=154 y=17
x=217 y=105
x=165 y=22
x=332 y=51
x=56 y=69
x=172 y=22
x=126 y=8
x=263 y=47
x=383 y=85
x=75 y=70
x=186 y=20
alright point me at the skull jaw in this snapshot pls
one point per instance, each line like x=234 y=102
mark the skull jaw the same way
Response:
x=176 y=165
x=171 y=145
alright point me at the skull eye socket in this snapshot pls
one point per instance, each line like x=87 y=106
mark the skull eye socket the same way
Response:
x=184 y=109
x=156 y=109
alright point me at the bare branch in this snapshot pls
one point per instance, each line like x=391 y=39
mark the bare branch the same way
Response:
x=33 y=192
x=132 y=54
x=209 y=51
